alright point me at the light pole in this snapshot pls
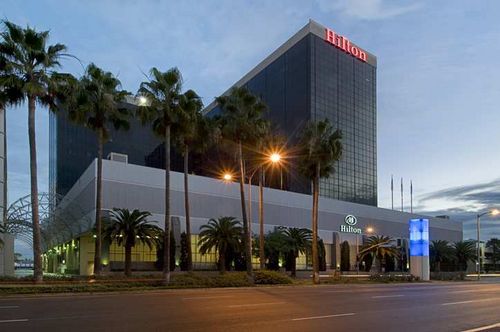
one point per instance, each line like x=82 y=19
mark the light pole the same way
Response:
x=493 y=212
x=369 y=230
x=273 y=158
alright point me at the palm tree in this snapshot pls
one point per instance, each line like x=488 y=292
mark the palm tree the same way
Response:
x=494 y=245
x=27 y=72
x=319 y=148
x=194 y=132
x=95 y=105
x=127 y=228
x=242 y=123
x=440 y=251
x=297 y=241
x=223 y=235
x=162 y=93
x=379 y=247
x=464 y=251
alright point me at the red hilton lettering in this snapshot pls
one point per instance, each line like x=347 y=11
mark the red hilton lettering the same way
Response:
x=344 y=44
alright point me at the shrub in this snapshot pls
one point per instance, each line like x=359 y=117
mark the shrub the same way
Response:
x=448 y=276
x=265 y=277
x=190 y=280
x=393 y=278
x=232 y=279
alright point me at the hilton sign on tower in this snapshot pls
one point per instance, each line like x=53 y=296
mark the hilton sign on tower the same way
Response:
x=344 y=44
x=350 y=221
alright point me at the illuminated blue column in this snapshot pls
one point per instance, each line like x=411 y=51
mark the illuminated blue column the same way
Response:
x=419 y=248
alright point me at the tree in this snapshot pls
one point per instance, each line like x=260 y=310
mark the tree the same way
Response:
x=345 y=260
x=296 y=241
x=242 y=123
x=95 y=105
x=162 y=93
x=193 y=132
x=160 y=260
x=224 y=235
x=494 y=245
x=464 y=251
x=320 y=148
x=380 y=248
x=183 y=259
x=440 y=251
x=27 y=72
x=127 y=228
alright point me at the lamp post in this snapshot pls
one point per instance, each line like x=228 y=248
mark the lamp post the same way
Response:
x=369 y=230
x=492 y=212
x=274 y=158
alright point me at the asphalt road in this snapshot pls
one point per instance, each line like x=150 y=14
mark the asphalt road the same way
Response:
x=402 y=307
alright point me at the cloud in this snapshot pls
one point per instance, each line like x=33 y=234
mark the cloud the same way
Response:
x=468 y=200
x=368 y=9
x=487 y=193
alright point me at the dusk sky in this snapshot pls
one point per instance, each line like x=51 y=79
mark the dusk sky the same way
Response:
x=438 y=87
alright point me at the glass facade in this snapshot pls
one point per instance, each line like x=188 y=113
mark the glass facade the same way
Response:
x=314 y=80
x=73 y=148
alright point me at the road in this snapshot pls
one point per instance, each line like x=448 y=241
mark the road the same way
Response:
x=387 y=307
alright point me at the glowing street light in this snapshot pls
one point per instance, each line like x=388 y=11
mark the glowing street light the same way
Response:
x=275 y=157
x=369 y=230
x=143 y=101
x=227 y=177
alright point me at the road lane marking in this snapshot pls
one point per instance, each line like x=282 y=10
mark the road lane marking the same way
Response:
x=482 y=328
x=9 y=307
x=327 y=316
x=386 y=296
x=13 y=320
x=463 y=291
x=254 y=304
x=206 y=297
x=470 y=301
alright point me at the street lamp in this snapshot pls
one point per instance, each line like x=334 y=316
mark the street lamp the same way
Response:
x=227 y=177
x=492 y=212
x=369 y=230
x=276 y=159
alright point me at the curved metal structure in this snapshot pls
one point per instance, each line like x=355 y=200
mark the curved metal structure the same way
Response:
x=57 y=225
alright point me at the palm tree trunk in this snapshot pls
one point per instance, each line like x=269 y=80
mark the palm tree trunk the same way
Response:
x=246 y=229
x=37 y=236
x=438 y=266
x=98 y=207
x=222 y=262
x=166 y=239
x=294 y=265
x=262 y=257
x=315 y=258
x=186 y=207
x=128 y=260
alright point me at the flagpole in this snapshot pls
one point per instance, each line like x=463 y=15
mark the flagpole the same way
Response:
x=392 y=193
x=401 y=194
x=411 y=196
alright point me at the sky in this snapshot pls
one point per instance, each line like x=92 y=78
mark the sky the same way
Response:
x=438 y=92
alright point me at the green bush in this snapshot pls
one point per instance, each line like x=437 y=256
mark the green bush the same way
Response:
x=190 y=280
x=448 y=276
x=231 y=279
x=265 y=277
x=393 y=278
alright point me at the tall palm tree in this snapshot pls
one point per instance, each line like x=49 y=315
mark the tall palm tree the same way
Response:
x=464 y=251
x=95 y=105
x=193 y=132
x=296 y=241
x=242 y=123
x=440 y=251
x=379 y=247
x=494 y=245
x=127 y=228
x=320 y=147
x=223 y=235
x=27 y=72
x=162 y=92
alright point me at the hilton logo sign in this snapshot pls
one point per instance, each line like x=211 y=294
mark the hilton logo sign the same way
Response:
x=344 y=44
x=350 y=221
